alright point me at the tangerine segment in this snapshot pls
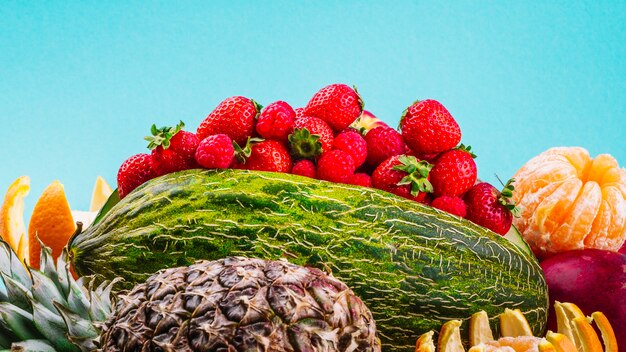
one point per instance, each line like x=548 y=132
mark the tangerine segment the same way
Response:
x=518 y=343
x=51 y=222
x=12 y=227
x=609 y=227
x=575 y=227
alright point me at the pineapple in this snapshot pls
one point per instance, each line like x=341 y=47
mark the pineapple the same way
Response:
x=233 y=304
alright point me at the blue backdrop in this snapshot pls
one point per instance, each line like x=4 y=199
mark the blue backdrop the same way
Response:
x=82 y=81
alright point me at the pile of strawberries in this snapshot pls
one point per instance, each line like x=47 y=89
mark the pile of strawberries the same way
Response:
x=333 y=139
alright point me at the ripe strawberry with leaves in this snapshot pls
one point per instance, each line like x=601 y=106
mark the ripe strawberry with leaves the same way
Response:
x=490 y=208
x=172 y=149
x=454 y=172
x=403 y=175
x=263 y=155
x=337 y=104
x=133 y=172
x=310 y=138
x=234 y=117
x=276 y=121
x=428 y=127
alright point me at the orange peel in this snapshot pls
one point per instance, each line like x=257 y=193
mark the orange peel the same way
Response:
x=12 y=226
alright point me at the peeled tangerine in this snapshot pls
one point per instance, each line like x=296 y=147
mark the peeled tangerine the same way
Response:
x=575 y=334
x=570 y=201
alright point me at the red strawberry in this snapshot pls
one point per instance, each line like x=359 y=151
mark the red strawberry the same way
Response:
x=488 y=207
x=337 y=104
x=310 y=137
x=233 y=117
x=428 y=127
x=361 y=179
x=133 y=173
x=352 y=143
x=304 y=167
x=172 y=149
x=215 y=152
x=266 y=155
x=453 y=205
x=382 y=143
x=276 y=121
x=454 y=172
x=335 y=166
x=403 y=175
x=299 y=112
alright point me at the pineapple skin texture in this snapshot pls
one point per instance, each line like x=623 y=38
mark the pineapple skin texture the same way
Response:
x=241 y=304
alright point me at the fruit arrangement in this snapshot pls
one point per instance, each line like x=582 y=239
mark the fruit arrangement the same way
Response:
x=332 y=139
x=319 y=228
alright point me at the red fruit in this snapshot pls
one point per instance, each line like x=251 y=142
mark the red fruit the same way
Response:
x=233 y=117
x=172 y=149
x=382 y=143
x=454 y=172
x=361 y=179
x=299 y=112
x=310 y=138
x=133 y=173
x=215 y=152
x=276 y=121
x=304 y=167
x=403 y=175
x=428 y=127
x=335 y=166
x=352 y=143
x=267 y=155
x=488 y=207
x=337 y=104
x=453 y=205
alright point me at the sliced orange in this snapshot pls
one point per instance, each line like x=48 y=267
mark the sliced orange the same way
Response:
x=425 y=343
x=514 y=324
x=479 y=329
x=12 y=226
x=51 y=222
x=100 y=194
x=606 y=330
x=546 y=346
x=569 y=200
x=560 y=342
x=450 y=337
x=565 y=313
x=585 y=335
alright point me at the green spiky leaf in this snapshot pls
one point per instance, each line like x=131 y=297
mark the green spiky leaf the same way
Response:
x=33 y=346
x=52 y=326
x=417 y=174
x=506 y=197
x=467 y=149
x=19 y=321
x=17 y=294
x=305 y=145
x=162 y=136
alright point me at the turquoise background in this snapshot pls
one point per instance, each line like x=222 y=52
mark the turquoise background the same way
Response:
x=82 y=81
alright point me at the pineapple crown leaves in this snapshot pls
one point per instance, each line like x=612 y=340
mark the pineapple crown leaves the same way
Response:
x=162 y=136
x=305 y=145
x=468 y=149
x=506 y=195
x=47 y=309
x=242 y=154
x=417 y=174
